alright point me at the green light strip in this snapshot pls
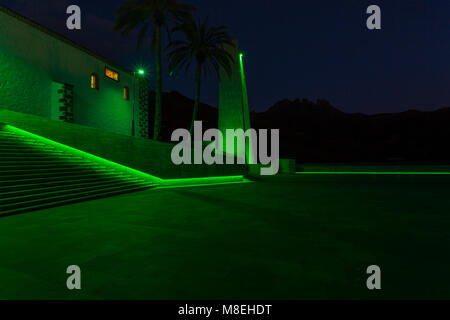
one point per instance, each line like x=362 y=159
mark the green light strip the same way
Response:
x=164 y=183
x=249 y=148
x=89 y=156
x=374 y=173
x=205 y=181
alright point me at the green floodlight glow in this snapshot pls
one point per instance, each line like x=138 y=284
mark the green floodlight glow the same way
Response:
x=203 y=182
x=162 y=183
x=249 y=150
x=141 y=71
x=79 y=153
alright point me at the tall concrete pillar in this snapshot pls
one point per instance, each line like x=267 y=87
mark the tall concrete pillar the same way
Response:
x=233 y=100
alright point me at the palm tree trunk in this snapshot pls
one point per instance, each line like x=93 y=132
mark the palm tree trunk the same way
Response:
x=158 y=94
x=198 y=80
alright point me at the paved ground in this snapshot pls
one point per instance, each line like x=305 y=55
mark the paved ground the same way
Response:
x=261 y=240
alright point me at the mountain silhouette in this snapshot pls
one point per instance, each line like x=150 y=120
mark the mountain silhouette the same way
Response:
x=318 y=132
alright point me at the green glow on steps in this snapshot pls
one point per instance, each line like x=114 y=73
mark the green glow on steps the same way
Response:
x=209 y=181
x=88 y=156
x=374 y=173
x=164 y=183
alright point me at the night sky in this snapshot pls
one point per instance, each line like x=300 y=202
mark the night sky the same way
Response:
x=298 y=49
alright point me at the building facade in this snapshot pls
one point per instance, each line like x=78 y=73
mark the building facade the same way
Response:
x=45 y=74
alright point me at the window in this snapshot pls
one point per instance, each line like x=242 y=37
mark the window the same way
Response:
x=94 y=81
x=126 y=93
x=112 y=74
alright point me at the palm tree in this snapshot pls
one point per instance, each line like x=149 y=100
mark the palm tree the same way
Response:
x=142 y=14
x=204 y=44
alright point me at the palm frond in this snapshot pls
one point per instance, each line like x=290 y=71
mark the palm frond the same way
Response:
x=141 y=14
x=203 y=44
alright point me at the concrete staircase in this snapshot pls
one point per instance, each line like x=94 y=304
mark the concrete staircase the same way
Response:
x=35 y=175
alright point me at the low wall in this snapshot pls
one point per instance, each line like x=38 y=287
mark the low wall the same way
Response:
x=146 y=155
x=374 y=167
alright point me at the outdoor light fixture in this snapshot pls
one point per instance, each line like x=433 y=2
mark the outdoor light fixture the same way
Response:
x=141 y=71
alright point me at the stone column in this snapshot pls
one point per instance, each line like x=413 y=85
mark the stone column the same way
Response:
x=233 y=102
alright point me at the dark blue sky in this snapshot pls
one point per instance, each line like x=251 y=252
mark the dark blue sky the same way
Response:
x=299 y=49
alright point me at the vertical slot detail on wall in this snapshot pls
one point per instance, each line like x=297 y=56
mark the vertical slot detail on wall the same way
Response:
x=143 y=107
x=65 y=95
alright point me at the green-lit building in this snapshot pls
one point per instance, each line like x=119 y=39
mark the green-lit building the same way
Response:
x=44 y=74
x=54 y=88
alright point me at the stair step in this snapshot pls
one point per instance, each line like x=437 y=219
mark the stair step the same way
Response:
x=26 y=156
x=45 y=194
x=54 y=170
x=2 y=131
x=52 y=178
x=48 y=175
x=19 y=143
x=13 y=134
x=40 y=159
x=7 y=209
x=30 y=185
x=29 y=163
x=43 y=165
x=19 y=146
x=26 y=141
x=20 y=139
x=31 y=151
x=8 y=135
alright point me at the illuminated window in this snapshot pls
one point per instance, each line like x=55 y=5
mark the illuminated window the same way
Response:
x=94 y=81
x=112 y=74
x=126 y=93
